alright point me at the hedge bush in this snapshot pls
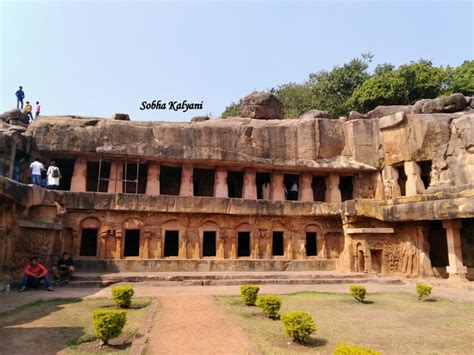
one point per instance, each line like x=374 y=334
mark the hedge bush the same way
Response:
x=249 y=293
x=270 y=305
x=423 y=290
x=122 y=295
x=348 y=349
x=358 y=292
x=298 y=325
x=108 y=323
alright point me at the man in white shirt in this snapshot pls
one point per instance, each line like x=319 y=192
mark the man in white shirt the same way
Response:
x=294 y=191
x=53 y=175
x=36 y=167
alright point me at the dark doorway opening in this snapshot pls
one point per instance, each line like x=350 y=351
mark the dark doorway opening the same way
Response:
x=402 y=179
x=93 y=182
x=263 y=190
x=171 y=243
x=88 y=242
x=243 y=244
x=376 y=256
x=361 y=261
x=66 y=167
x=132 y=242
x=467 y=242
x=319 y=188
x=209 y=243
x=346 y=187
x=311 y=245
x=134 y=178
x=235 y=181
x=203 y=182
x=277 y=244
x=170 y=180
x=438 y=244
x=425 y=172
x=291 y=182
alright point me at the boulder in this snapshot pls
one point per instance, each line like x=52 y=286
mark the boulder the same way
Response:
x=15 y=115
x=18 y=123
x=315 y=114
x=418 y=106
x=200 y=118
x=121 y=116
x=392 y=120
x=381 y=111
x=262 y=106
x=445 y=104
x=354 y=115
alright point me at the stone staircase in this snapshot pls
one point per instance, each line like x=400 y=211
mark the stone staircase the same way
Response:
x=89 y=280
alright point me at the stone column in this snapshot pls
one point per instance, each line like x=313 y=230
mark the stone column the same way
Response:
x=220 y=184
x=390 y=183
x=78 y=181
x=118 y=244
x=102 y=243
x=76 y=243
x=278 y=189
x=414 y=185
x=456 y=269
x=158 y=252
x=249 y=190
x=306 y=190
x=186 y=188
x=145 y=254
x=116 y=177
x=333 y=193
x=153 y=179
x=183 y=245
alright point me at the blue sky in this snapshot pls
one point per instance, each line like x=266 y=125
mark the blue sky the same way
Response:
x=97 y=58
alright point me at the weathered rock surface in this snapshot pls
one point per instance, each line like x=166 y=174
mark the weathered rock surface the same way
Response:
x=121 y=116
x=354 y=115
x=392 y=120
x=262 y=106
x=381 y=111
x=200 y=118
x=445 y=104
x=14 y=115
x=315 y=114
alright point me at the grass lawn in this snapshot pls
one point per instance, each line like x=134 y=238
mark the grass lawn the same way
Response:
x=395 y=323
x=64 y=326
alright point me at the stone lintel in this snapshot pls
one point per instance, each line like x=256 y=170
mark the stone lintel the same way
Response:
x=369 y=230
x=39 y=225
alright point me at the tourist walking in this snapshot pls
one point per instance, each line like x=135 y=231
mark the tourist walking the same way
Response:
x=36 y=169
x=37 y=109
x=53 y=175
x=20 y=95
x=34 y=273
x=28 y=108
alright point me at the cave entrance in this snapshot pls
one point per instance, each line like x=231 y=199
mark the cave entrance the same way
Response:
x=203 y=182
x=171 y=243
x=438 y=244
x=66 y=167
x=346 y=186
x=263 y=182
x=98 y=173
x=376 y=258
x=291 y=186
x=402 y=179
x=243 y=244
x=88 y=242
x=311 y=245
x=277 y=244
x=425 y=172
x=209 y=243
x=132 y=242
x=235 y=181
x=319 y=188
x=135 y=176
x=170 y=180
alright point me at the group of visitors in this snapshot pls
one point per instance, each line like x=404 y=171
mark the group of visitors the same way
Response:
x=35 y=272
x=28 y=109
x=45 y=177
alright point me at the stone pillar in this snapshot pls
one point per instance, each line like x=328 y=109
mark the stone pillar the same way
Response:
x=118 y=244
x=145 y=253
x=186 y=188
x=102 y=242
x=76 y=243
x=249 y=190
x=158 y=252
x=78 y=181
x=456 y=269
x=390 y=183
x=153 y=179
x=306 y=190
x=116 y=177
x=220 y=183
x=278 y=189
x=414 y=185
x=183 y=245
x=220 y=248
x=333 y=193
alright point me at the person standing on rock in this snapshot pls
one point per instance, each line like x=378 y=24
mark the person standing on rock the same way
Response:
x=36 y=168
x=28 y=108
x=20 y=95
x=53 y=175
x=37 y=109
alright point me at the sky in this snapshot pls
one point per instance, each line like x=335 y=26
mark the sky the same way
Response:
x=96 y=58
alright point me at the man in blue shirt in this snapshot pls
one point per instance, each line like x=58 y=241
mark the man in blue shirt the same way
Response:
x=20 y=95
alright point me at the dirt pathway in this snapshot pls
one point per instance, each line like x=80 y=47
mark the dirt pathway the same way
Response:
x=196 y=325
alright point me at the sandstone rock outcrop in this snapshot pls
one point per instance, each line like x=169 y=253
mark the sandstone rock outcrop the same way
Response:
x=444 y=104
x=315 y=114
x=381 y=111
x=15 y=117
x=262 y=106
x=354 y=115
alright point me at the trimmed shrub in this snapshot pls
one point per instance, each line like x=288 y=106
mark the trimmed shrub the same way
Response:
x=122 y=295
x=423 y=290
x=358 y=292
x=298 y=325
x=348 y=349
x=248 y=293
x=108 y=323
x=270 y=305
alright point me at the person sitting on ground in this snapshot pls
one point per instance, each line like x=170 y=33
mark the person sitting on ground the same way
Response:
x=53 y=175
x=36 y=168
x=28 y=108
x=64 y=268
x=20 y=95
x=34 y=273
x=37 y=109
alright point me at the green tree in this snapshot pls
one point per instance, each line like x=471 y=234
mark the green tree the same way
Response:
x=233 y=110
x=462 y=79
x=296 y=98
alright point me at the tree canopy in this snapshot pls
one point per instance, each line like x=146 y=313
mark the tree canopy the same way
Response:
x=352 y=87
